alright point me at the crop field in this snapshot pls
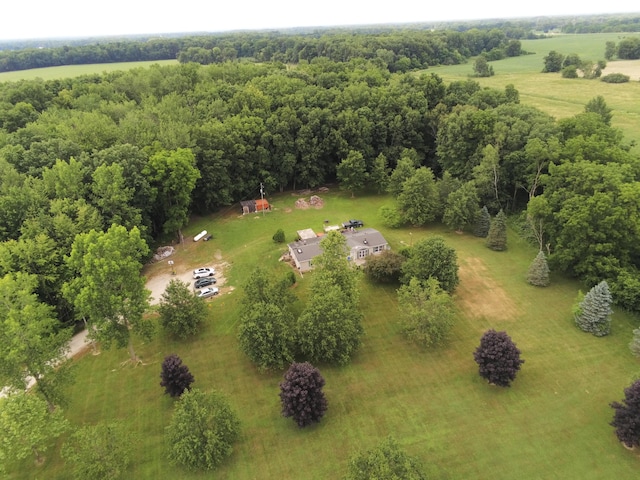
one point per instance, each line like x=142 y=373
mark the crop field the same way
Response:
x=552 y=422
x=562 y=97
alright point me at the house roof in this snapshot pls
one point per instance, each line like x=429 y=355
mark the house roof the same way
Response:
x=306 y=234
x=306 y=249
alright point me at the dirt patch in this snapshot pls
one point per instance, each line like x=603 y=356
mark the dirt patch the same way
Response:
x=158 y=282
x=626 y=67
x=480 y=296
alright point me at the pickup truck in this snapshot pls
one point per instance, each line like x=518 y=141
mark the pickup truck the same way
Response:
x=353 y=224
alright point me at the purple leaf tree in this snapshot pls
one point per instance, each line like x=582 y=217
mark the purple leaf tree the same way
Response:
x=301 y=394
x=498 y=358
x=175 y=376
x=626 y=418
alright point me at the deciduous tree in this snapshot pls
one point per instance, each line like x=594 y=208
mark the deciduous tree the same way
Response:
x=461 y=207
x=426 y=311
x=176 y=377
x=386 y=267
x=181 y=312
x=32 y=344
x=593 y=313
x=387 y=461
x=431 y=257
x=202 y=430
x=352 y=172
x=419 y=197
x=28 y=427
x=498 y=358
x=100 y=452
x=301 y=394
x=626 y=418
x=108 y=288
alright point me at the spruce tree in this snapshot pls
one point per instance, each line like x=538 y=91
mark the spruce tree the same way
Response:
x=593 y=313
x=497 y=237
x=539 y=271
x=483 y=223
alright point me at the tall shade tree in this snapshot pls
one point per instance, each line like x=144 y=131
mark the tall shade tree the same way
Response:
x=352 y=172
x=301 y=394
x=419 y=198
x=404 y=170
x=432 y=258
x=173 y=176
x=599 y=106
x=498 y=358
x=538 y=273
x=108 y=288
x=426 y=311
x=593 y=313
x=626 y=418
x=202 y=430
x=181 y=312
x=32 y=344
x=100 y=452
x=28 y=427
x=379 y=175
x=113 y=198
x=386 y=461
x=497 y=237
x=462 y=207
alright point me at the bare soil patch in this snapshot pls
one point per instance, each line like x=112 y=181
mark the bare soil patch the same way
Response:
x=480 y=296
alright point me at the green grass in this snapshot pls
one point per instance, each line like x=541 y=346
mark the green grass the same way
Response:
x=70 y=71
x=557 y=96
x=552 y=423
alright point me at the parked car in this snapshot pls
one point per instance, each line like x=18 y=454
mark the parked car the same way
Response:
x=208 y=292
x=204 y=282
x=203 y=272
x=353 y=224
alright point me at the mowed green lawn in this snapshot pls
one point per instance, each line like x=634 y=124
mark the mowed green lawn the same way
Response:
x=552 y=423
x=557 y=96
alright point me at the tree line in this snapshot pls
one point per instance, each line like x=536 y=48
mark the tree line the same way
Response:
x=400 y=49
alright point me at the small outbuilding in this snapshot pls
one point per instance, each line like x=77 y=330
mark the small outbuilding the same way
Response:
x=253 y=206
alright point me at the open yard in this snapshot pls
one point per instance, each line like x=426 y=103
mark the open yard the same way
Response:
x=552 y=423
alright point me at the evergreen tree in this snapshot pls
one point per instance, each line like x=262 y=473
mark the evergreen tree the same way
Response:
x=593 y=313
x=497 y=237
x=176 y=377
x=483 y=223
x=626 y=418
x=301 y=394
x=538 y=274
x=634 y=345
x=498 y=358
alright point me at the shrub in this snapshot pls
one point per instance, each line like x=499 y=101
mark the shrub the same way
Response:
x=498 y=358
x=175 y=376
x=278 y=237
x=301 y=394
x=385 y=267
x=615 y=78
x=387 y=461
x=634 y=345
x=569 y=72
x=390 y=215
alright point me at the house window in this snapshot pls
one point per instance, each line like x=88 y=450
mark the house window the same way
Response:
x=363 y=252
x=378 y=248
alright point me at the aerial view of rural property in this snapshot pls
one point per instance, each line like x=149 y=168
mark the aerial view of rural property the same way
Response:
x=273 y=241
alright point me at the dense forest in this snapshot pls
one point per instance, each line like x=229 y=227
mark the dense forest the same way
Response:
x=137 y=147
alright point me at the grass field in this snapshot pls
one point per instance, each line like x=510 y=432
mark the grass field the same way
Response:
x=552 y=423
x=561 y=97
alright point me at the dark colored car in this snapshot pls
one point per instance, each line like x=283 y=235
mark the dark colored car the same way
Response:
x=204 y=282
x=353 y=224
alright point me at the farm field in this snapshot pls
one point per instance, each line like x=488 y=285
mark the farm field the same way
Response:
x=552 y=423
x=562 y=97
x=70 y=71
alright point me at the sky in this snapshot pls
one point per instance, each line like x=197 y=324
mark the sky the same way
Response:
x=33 y=19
